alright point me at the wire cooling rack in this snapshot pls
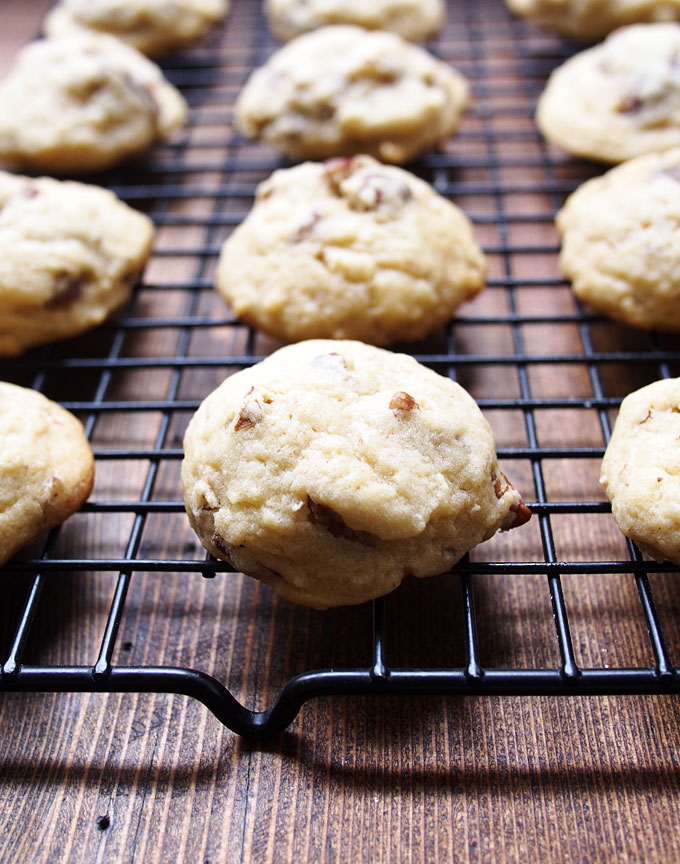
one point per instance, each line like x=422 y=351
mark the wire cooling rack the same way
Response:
x=548 y=374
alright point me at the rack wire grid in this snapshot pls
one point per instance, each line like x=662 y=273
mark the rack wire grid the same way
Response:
x=548 y=374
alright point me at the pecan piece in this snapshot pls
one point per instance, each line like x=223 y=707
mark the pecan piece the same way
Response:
x=338 y=169
x=630 y=103
x=364 y=186
x=249 y=414
x=401 y=402
x=519 y=514
x=219 y=541
x=375 y=189
x=68 y=289
x=307 y=227
x=498 y=486
x=320 y=514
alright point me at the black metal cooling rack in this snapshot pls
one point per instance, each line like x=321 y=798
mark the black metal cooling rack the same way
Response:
x=196 y=189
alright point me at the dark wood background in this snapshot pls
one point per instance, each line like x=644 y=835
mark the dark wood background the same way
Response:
x=155 y=778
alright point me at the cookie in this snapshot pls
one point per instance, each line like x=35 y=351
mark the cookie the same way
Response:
x=590 y=20
x=83 y=103
x=46 y=466
x=415 y=20
x=69 y=255
x=619 y=99
x=641 y=469
x=343 y=90
x=349 y=249
x=333 y=470
x=620 y=241
x=151 y=26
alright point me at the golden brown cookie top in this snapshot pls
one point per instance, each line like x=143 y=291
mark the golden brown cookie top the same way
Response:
x=350 y=249
x=343 y=90
x=46 y=466
x=619 y=99
x=593 y=19
x=620 y=243
x=151 y=26
x=641 y=469
x=333 y=469
x=70 y=254
x=82 y=103
x=415 y=20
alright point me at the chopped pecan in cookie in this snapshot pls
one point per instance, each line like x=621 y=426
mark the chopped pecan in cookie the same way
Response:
x=219 y=541
x=307 y=226
x=68 y=289
x=377 y=70
x=519 y=514
x=337 y=170
x=320 y=514
x=630 y=103
x=498 y=486
x=402 y=403
x=250 y=413
x=365 y=186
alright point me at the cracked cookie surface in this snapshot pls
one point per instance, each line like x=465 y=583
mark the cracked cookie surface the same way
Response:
x=70 y=254
x=342 y=90
x=46 y=466
x=151 y=26
x=593 y=19
x=619 y=99
x=415 y=20
x=82 y=103
x=349 y=248
x=333 y=470
x=641 y=469
x=620 y=243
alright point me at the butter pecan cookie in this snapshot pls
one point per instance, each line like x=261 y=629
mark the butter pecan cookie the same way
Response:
x=343 y=90
x=46 y=466
x=641 y=469
x=349 y=248
x=620 y=243
x=151 y=26
x=82 y=103
x=618 y=99
x=69 y=255
x=333 y=470
x=415 y=20
x=592 y=19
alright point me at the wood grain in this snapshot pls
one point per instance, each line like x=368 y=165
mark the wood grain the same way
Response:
x=154 y=777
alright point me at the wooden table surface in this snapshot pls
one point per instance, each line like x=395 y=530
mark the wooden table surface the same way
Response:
x=155 y=777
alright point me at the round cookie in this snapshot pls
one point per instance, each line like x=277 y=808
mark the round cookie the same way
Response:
x=333 y=470
x=349 y=249
x=82 y=103
x=151 y=26
x=641 y=469
x=593 y=19
x=343 y=90
x=619 y=99
x=69 y=255
x=620 y=241
x=415 y=20
x=46 y=466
